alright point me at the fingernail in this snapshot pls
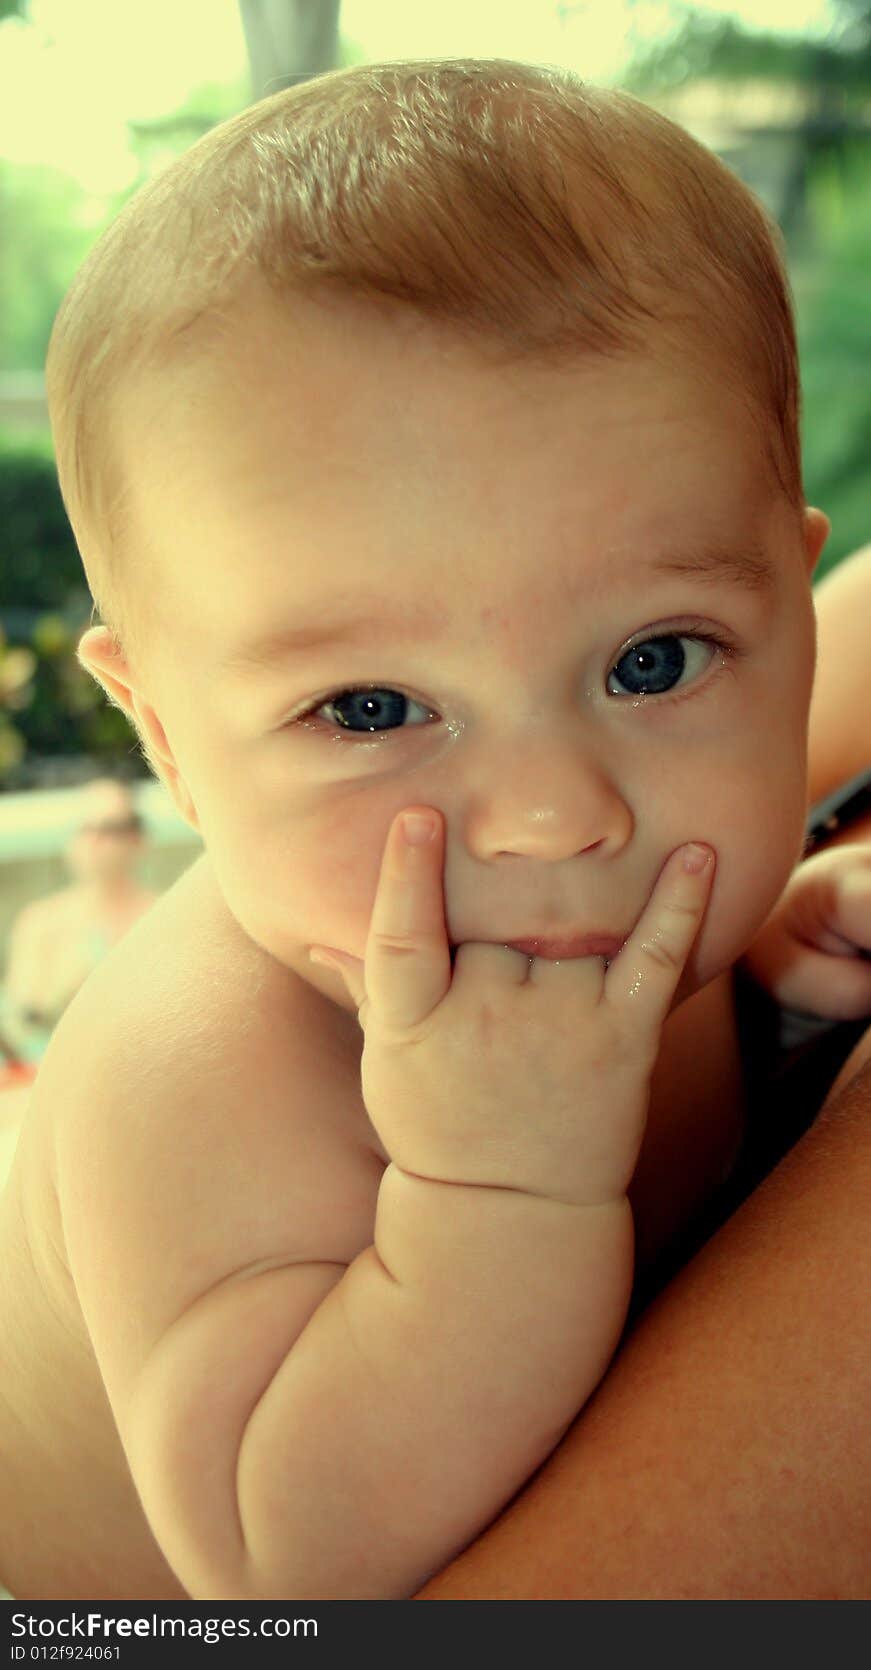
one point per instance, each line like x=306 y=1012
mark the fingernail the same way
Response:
x=696 y=859
x=418 y=828
x=328 y=962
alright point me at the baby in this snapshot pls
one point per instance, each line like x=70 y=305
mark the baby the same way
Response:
x=429 y=433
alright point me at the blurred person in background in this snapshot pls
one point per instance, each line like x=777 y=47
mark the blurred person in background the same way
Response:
x=55 y=942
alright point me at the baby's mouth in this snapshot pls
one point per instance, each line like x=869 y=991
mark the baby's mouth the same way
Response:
x=606 y=946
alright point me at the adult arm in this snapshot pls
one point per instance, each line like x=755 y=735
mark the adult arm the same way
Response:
x=839 y=737
x=727 y=1454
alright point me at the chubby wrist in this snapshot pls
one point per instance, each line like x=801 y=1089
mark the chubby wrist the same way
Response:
x=428 y=1229
x=560 y=1170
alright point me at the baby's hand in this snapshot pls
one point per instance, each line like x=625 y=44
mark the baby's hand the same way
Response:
x=814 y=951
x=514 y=1074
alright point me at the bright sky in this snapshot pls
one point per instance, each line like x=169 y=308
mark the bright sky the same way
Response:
x=71 y=79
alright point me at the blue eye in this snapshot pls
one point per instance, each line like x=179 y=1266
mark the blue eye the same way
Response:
x=654 y=666
x=366 y=711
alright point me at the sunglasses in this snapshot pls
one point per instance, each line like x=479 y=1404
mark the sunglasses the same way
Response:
x=113 y=826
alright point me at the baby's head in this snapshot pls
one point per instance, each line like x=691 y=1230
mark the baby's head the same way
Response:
x=490 y=377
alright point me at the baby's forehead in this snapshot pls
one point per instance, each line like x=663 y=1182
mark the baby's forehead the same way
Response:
x=265 y=404
x=318 y=355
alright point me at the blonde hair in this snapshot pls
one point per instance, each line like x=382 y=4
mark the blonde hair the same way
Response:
x=528 y=212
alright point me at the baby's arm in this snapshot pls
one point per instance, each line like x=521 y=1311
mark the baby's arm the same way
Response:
x=303 y=1423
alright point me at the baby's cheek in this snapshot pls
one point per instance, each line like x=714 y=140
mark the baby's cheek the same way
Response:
x=338 y=864
x=751 y=874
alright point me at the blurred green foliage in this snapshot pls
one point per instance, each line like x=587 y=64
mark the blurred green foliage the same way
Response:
x=47 y=226
x=49 y=707
x=822 y=202
x=708 y=46
x=834 y=328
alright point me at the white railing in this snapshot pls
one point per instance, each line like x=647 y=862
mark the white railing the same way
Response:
x=40 y=822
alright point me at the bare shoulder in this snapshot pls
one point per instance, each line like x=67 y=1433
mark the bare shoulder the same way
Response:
x=184 y=984
x=200 y=1128
x=186 y=1002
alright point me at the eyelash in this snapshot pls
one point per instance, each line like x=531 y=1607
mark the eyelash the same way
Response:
x=721 y=642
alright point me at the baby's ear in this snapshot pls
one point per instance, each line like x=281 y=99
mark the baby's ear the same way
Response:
x=817 y=528
x=101 y=656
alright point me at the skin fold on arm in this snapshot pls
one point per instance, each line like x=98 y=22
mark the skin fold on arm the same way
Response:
x=726 y=1454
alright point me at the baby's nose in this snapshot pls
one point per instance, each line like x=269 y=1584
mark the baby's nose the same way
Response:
x=553 y=810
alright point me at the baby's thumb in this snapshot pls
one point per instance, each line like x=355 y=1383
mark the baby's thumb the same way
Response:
x=349 y=968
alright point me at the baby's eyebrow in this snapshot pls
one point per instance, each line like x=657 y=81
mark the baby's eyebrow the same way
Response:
x=747 y=568
x=283 y=643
